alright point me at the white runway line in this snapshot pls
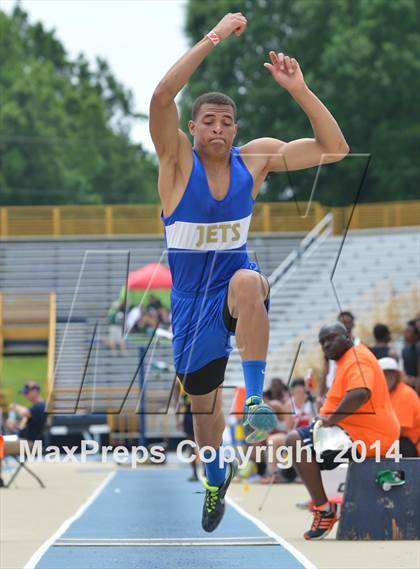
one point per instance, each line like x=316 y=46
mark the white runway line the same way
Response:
x=168 y=542
x=295 y=552
x=31 y=564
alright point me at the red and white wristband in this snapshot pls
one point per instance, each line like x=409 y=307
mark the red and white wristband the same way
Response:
x=213 y=37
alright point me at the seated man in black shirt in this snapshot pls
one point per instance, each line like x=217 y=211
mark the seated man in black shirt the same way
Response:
x=26 y=423
x=411 y=355
x=381 y=348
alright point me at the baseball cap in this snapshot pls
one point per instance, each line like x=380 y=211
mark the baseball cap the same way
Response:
x=389 y=364
x=29 y=386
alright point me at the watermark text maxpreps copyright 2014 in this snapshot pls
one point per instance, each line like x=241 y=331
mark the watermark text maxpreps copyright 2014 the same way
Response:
x=156 y=454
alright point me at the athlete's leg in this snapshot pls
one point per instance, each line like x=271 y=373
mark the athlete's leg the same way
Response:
x=209 y=424
x=209 y=421
x=247 y=297
x=248 y=291
x=201 y=354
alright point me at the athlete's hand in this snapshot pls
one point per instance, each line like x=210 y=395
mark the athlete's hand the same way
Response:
x=231 y=24
x=285 y=71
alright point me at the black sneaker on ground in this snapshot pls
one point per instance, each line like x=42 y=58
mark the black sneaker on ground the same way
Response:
x=322 y=524
x=214 y=501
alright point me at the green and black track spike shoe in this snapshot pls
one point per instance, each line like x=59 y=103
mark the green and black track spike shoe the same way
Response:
x=214 y=501
x=260 y=417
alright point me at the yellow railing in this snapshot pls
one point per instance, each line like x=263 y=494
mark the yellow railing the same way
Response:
x=143 y=219
x=274 y=216
x=376 y=215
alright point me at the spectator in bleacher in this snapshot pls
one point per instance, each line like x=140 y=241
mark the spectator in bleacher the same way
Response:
x=359 y=402
x=303 y=411
x=28 y=422
x=277 y=391
x=348 y=320
x=164 y=316
x=154 y=302
x=115 y=340
x=158 y=312
x=417 y=320
x=143 y=320
x=25 y=422
x=298 y=411
x=406 y=404
x=411 y=355
x=381 y=348
x=278 y=397
x=149 y=320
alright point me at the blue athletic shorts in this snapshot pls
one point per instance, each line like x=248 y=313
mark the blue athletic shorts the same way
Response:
x=202 y=327
x=200 y=333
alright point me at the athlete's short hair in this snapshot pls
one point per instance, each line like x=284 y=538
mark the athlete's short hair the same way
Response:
x=214 y=98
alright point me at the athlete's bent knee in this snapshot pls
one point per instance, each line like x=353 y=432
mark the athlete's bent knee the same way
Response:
x=247 y=285
x=245 y=277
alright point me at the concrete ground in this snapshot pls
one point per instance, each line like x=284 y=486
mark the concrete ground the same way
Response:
x=30 y=515
x=282 y=516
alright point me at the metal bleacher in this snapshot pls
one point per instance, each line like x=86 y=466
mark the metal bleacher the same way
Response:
x=374 y=266
x=95 y=269
x=87 y=276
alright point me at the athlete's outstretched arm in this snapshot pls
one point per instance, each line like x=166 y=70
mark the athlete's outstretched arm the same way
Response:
x=328 y=144
x=163 y=112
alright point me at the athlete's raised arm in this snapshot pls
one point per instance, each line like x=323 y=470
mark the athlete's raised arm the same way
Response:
x=163 y=113
x=328 y=144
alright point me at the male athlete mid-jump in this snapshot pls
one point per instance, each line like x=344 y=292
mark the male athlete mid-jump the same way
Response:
x=207 y=192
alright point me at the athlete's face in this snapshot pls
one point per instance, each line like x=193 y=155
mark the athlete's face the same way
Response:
x=214 y=128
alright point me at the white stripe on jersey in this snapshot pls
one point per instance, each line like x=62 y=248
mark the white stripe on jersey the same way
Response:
x=208 y=236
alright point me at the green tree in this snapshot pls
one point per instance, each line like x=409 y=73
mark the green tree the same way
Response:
x=361 y=57
x=64 y=125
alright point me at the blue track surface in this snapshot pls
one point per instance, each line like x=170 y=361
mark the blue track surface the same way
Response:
x=160 y=504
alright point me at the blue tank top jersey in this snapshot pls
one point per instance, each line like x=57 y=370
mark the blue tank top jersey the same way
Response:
x=205 y=237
